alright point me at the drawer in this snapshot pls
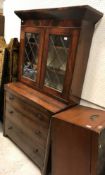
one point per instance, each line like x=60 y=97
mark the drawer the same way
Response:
x=34 y=129
x=23 y=141
x=27 y=109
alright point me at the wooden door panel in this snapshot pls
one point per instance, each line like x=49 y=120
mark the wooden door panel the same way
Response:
x=70 y=149
x=31 y=46
x=58 y=61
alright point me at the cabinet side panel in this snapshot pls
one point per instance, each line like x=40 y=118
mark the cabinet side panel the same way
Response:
x=70 y=149
x=82 y=55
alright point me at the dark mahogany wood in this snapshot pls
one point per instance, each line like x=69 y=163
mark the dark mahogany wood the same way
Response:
x=78 y=142
x=82 y=55
x=75 y=13
x=41 y=100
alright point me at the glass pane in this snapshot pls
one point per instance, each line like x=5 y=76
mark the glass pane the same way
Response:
x=31 y=55
x=56 y=62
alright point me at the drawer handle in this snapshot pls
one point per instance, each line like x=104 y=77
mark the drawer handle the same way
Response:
x=94 y=117
x=10 y=127
x=35 y=150
x=21 y=132
x=40 y=116
x=11 y=97
x=11 y=112
x=38 y=133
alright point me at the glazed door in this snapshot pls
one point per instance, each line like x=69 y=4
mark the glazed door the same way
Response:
x=58 y=61
x=31 y=53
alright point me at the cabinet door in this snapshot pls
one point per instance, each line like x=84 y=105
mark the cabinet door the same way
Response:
x=30 y=55
x=60 y=46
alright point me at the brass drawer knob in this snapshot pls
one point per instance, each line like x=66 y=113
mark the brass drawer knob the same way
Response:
x=10 y=127
x=94 y=117
x=11 y=97
x=40 y=116
x=35 y=150
x=11 y=112
x=38 y=133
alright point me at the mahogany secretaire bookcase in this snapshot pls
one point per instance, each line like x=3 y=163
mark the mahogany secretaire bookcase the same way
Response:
x=54 y=50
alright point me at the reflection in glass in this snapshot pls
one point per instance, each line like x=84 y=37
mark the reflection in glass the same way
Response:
x=31 y=55
x=56 y=62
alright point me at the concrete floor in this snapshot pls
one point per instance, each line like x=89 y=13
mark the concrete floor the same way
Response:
x=13 y=161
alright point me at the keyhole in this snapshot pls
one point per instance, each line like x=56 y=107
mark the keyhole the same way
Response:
x=94 y=117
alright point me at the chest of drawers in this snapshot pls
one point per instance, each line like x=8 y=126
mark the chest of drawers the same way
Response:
x=27 y=123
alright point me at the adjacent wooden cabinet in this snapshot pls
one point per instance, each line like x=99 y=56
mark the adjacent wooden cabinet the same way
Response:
x=78 y=142
x=54 y=50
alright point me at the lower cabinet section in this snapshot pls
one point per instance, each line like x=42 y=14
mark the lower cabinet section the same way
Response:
x=28 y=127
x=27 y=118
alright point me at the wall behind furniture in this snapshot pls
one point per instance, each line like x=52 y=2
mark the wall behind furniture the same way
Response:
x=1 y=6
x=93 y=93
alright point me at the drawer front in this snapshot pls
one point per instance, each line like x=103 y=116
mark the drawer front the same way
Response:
x=27 y=126
x=23 y=141
x=34 y=129
x=31 y=111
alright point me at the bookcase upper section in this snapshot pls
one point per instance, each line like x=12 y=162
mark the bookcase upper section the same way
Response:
x=54 y=49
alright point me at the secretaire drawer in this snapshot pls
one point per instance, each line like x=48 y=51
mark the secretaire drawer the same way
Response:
x=34 y=151
x=27 y=109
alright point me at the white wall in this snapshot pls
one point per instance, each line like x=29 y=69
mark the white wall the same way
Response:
x=94 y=84
x=1 y=6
